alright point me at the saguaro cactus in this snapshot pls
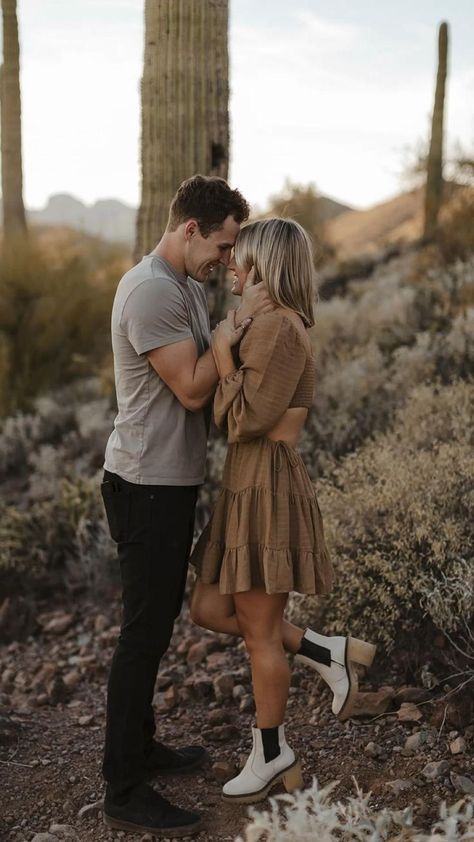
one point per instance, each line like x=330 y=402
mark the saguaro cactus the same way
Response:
x=14 y=221
x=434 y=174
x=185 y=93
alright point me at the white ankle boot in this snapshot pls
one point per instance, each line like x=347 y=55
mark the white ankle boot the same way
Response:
x=334 y=659
x=259 y=774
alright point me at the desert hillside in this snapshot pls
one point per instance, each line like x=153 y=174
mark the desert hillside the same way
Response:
x=364 y=231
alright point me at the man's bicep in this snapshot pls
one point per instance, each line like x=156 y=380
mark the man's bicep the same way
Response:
x=175 y=364
x=155 y=315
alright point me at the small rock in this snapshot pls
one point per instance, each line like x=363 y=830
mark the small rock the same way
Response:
x=8 y=678
x=458 y=746
x=22 y=680
x=398 y=786
x=239 y=691
x=223 y=771
x=44 y=675
x=171 y=696
x=435 y=769
x=409 y=712
x=57 y=624
x=220 y=733
x=373 y=750
x=199 y=685
x=44 y=837
x=217 y=717
x=197 y=653
x=100 y=623
x=372 y=704
x=223 y=686
x=72 y=679
x=93 y=809
x=413 y=743
x=184 y=646
x=461 y=783
x=216 y=659
x=63 y=831
x=87 y=719
x=247 y=704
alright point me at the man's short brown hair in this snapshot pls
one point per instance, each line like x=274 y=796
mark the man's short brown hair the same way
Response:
x=209 y=200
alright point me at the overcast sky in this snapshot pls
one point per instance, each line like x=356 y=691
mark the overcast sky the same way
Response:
x=323 y=92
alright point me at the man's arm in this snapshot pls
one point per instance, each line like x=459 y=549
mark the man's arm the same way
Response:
x=191 y=378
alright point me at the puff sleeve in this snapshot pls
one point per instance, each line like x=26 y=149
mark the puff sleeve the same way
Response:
x=250 y=401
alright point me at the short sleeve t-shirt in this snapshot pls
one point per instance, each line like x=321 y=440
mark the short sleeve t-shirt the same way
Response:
x=155 y=441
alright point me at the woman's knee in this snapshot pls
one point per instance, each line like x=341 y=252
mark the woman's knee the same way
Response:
x=198 y=612
x=261 y=641
x=208 y=606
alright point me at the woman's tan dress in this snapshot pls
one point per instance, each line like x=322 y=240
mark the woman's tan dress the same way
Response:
x=266 y=528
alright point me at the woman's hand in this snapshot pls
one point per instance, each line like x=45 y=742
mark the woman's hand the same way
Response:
x=255 y=299
x=226 y=334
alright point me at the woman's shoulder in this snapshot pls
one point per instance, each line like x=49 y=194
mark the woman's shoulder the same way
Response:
x=277 y=327
x=278 y=317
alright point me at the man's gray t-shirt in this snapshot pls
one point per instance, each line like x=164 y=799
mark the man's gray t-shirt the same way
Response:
x=155 y=440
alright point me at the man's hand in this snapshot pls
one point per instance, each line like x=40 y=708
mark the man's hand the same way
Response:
x=255 y=300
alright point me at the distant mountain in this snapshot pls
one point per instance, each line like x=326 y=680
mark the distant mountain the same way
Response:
x=113 y=220
x=396 y=220
x=107 y=218
x=329 y=208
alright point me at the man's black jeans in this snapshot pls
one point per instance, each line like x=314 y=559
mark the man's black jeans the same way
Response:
x=153 y=528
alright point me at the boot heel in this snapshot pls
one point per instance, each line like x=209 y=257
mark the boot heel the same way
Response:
x=292 y=778
x=360 y=652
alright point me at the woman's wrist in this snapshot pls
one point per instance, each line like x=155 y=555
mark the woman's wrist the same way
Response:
x=223 y=358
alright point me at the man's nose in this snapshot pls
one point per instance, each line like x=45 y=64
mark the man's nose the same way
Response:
x=225 y=259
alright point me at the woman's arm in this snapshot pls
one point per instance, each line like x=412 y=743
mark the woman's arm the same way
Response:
x=250 y=400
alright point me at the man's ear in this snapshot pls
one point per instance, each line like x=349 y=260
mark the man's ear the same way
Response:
x=191 y=227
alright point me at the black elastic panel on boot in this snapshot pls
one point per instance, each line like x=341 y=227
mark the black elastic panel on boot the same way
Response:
x=271 y=746
x=315 y=652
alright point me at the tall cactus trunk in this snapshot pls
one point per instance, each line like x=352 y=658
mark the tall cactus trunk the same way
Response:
x=434 y=174
x=14 y=220
x=185 y=93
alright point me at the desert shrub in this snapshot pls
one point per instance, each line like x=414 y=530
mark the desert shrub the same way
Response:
x=54 y=543
x=374 y=346
x=313 y=814
x=70 y=424
x=53 y=532
x=456 y=226
x=54 y=322
x=400 y=520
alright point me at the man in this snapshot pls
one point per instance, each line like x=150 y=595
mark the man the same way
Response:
x=165 y=377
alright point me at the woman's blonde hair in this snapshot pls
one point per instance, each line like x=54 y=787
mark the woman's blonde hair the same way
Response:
x=281 y=252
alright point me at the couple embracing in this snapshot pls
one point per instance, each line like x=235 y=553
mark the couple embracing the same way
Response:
x=265 y=537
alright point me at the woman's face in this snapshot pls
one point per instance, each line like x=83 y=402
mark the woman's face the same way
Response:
x=240 y=276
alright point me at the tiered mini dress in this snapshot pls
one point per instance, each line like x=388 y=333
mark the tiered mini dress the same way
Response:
x=266 y=529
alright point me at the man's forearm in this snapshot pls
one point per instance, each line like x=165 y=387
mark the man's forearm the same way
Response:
x=204 y=381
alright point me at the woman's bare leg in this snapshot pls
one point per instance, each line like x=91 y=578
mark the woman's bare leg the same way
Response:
x=215 y=611
x=260 y=617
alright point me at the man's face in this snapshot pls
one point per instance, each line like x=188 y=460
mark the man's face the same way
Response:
x=202 y=254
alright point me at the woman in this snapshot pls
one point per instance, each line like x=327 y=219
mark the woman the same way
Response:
x=265 y=537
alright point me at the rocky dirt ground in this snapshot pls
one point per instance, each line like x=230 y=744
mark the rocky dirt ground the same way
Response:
x=409 y=745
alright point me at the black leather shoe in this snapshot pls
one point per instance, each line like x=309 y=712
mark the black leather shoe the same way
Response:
x=163 y=760
x=146 y=811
